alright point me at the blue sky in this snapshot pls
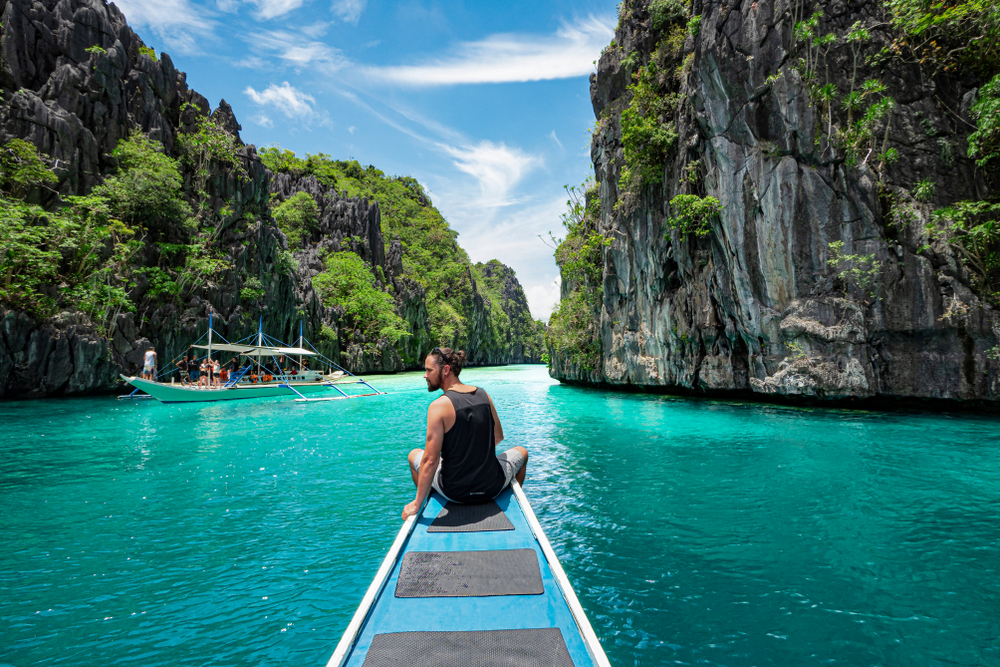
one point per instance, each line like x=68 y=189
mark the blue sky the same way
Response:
x=487 y=104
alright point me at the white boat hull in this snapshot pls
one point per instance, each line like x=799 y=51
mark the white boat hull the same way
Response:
x=179 y=393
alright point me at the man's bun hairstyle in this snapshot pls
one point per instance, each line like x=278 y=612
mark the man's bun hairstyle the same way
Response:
x=448 y=357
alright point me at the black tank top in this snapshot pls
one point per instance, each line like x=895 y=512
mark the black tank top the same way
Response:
x=470 y=472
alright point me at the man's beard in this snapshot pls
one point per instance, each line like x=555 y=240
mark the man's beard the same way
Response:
x=435 y=384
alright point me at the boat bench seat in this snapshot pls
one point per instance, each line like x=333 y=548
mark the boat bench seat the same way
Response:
x=458 y=574
x=459 y=518
x=510 y=648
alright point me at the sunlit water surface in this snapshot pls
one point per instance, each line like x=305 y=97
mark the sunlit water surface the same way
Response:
x=695 y=532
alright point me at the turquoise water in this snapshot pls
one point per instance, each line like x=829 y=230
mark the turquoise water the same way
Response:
x=694 y=532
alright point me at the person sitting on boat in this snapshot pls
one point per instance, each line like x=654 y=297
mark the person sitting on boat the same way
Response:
x=459 y=460
x=149 y=364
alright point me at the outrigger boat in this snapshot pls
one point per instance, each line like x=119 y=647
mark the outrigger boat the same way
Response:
x=470 y=585
x=268 y=368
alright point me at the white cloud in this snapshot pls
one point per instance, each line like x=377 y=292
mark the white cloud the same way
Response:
x=179 y=23
x=253 y=62
x=542 y=299
x=351 y=129
x=349 y=10
x=514 y=239
x=263 y=120
x=269 y=9
x=316 y=30
x=228 y=6
x=497 y=168
x=569 y=52
x=555 y=138
x=293 y=49
x=285 y=98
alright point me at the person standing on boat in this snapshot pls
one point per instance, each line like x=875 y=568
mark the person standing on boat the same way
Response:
x=149 y=364
x=459 y=460
x=183 y=366
x=193 y=370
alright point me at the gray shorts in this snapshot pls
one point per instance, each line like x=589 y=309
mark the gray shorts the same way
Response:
x=511 y=461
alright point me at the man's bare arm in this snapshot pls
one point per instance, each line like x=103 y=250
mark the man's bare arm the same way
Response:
x=431 y=458
x=497 y=428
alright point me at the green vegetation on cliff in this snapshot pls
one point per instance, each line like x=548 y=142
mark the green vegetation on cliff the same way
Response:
x=297 y=216
x=348 y=282
x=510 y=319
x=963 y=37
x=91 y=253
x=431 y=254
x=574 y=327
x=78 y=254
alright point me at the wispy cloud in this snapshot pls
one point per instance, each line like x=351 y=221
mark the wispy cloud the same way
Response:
x=349 y=10
x=497 y=168
x=288 y=100
x=316 y=30
x=295 y=50
x=507 y=58
x=269 y=9
x=179 y=23
x=513 y=239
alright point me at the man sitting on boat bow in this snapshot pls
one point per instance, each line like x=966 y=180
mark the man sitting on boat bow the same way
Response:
x=459 y=460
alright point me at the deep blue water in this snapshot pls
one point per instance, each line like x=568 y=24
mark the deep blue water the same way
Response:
x=695 y=532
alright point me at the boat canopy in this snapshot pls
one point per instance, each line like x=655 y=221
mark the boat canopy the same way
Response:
x=257 y=350
x=227 y=347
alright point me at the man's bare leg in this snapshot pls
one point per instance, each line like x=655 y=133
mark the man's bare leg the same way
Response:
x=414 y=459
x=524 y=469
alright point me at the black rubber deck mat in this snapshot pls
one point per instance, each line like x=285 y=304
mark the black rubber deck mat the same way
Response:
x=458 y=518
x=458 y=574
x=543 y=647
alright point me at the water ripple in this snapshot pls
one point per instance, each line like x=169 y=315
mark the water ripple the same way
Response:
x=695 y=532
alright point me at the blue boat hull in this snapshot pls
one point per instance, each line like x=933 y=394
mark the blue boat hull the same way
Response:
x=554 y=608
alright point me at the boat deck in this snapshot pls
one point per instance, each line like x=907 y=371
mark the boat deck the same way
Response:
x=443 y=613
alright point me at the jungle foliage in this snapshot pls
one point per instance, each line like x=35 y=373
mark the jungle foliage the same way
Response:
x=369 y=312
x=135 y=237
x=77 y=254
x=297 y=216
x=963 y=36
x=693 y=214
x=431 y=254
x=573 y=333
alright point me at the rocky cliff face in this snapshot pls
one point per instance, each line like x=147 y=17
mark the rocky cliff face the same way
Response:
x=518 y=339
x=354 y=224
x=74 y=81
x=756 y=306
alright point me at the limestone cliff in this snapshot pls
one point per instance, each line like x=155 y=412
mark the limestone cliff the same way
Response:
x=759 y=299
x=75 y=80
